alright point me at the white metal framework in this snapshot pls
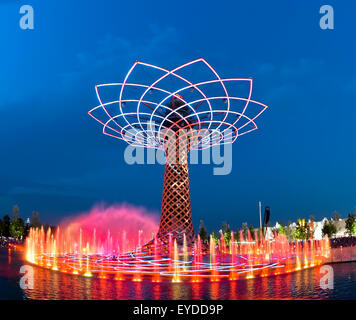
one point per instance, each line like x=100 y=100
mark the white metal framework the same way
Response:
x=139 y=112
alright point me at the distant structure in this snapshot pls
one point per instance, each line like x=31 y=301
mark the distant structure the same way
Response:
x=169 y=110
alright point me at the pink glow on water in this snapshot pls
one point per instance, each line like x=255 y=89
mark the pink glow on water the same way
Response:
x=109 y=225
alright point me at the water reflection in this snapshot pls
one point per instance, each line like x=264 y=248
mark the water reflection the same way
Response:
x=233 y=290
x=157 y=291
x=197 y=289
x=54 y=285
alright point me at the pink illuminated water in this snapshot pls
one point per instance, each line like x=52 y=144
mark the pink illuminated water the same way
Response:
x=109 y=242
x=112 y=228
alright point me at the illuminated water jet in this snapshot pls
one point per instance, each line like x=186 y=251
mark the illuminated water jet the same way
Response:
x=255 y=258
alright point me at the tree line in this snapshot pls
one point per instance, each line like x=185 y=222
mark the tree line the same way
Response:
x=301 y=230
x=15 y=226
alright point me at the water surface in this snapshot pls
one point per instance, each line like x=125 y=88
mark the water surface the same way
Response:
x=48 y=284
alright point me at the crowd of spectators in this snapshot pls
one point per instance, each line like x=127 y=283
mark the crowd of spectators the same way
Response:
x=6 y=242
x=343 y=242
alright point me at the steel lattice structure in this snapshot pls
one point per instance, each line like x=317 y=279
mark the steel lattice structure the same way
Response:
x=176 y=217
x=168 y=110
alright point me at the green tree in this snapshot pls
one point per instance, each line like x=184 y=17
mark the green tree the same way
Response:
x=7 y=222
x=15 y=212
x=303 y=230
x=329 y=228
x=215 y=236
x=225 y=227
x=237 y=235
x=282 y=229
x=202 y=231
x=2 y=228
x=227 y=237
x=350 y=224
x=27 y=230
x=290 y=232
x=252 y=231
x=35 y=220
x=245 y=231
x=17 y=228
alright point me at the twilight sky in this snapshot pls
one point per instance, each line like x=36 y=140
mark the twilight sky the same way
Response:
x=301 y=161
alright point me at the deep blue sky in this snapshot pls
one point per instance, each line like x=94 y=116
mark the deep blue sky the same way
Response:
x=300 y=162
